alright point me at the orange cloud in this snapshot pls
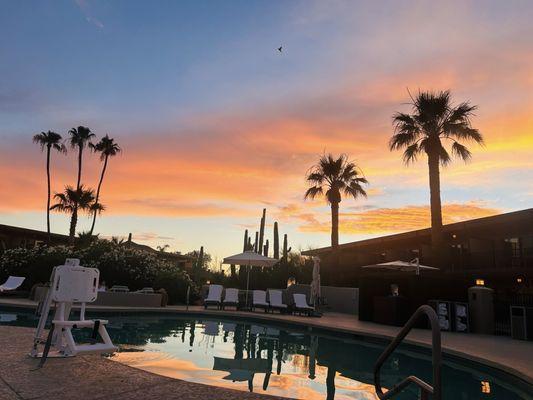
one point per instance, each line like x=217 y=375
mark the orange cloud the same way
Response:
x=389 y=220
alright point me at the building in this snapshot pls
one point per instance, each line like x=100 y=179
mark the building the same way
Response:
x=14 y=236
x=496 y=249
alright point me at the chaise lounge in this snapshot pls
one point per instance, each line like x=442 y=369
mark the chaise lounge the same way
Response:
x=12 y=283
x=276 y=300
x=259 y=300
x=300 y=304
x=214 y=297
x=231 y=298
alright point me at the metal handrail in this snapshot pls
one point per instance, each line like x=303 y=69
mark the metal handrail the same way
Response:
x=425 y=388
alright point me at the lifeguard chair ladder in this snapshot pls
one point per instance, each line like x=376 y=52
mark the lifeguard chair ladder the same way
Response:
x=70 y=283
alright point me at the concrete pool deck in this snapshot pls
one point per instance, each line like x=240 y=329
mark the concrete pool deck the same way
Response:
x=91 y=377
x=513 y=356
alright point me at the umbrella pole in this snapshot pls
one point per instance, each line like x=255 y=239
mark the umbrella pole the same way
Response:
x=247 y=285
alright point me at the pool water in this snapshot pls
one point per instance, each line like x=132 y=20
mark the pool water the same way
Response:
x=282 y=360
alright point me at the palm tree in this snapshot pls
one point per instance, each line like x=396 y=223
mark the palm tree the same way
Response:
x=72 y=200
x=335 y=176
x=49 y=141
x=434 y=122
x=107 y=148
x=80 y=137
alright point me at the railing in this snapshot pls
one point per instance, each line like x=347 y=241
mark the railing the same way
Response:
x=425 y=388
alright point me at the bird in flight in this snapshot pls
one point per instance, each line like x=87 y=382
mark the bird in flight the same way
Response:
x=280 y=49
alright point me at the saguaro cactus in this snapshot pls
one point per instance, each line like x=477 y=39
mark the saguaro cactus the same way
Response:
x=245 y=245
x=262 y=231
x=286 y=249
x=200 y=262
x=276 y=240
x=265 y=249
x=256 y=243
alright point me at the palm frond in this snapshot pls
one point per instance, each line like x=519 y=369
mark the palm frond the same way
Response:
x=460 y=151
x=444 y=157
x=410 y=154
x=355 y=190
x=315 y=177
x=313 y=191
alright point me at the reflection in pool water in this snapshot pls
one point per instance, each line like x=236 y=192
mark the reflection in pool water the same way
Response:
x=283 y=361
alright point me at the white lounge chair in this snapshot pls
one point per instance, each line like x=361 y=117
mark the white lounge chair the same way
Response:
x=214 y=296
x=12 y=283
x=300 y=304
x=119 y=289
x=259 y=300
x=276 y=300
x=231 y=298
x=146 y=290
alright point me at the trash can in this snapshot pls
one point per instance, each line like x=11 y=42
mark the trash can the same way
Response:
x=481 y=307
x=461 y=320
x=521 y=322
x=443 y=310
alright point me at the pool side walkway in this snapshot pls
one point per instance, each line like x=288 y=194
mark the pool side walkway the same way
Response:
x=513 y=356
x=91 y=377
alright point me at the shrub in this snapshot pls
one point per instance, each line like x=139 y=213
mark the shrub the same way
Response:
x=118 y=265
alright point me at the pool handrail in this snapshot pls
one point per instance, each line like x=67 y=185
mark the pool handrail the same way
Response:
x=436 y=353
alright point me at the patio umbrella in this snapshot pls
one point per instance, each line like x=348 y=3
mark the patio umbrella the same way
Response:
x=315 y=284
x=250 y=259
x=403 y=266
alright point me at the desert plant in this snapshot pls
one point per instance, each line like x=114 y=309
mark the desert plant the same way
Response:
x=49 y=141
x=434 y=121
x=331 y=177
x=107 y=148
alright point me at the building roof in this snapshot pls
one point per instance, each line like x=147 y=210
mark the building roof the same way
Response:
x=16 y=230
x=516 y=219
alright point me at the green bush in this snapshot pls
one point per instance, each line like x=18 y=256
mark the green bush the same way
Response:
x=118 y=265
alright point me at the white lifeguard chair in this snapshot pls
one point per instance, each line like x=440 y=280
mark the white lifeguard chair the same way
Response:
x=70 y=283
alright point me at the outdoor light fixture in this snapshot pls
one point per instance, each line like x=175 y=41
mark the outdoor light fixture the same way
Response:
x=208 y=282
x=519 y=279
x=480 y=282
x=485 y=387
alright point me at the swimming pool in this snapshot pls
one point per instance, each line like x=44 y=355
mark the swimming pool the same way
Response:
x=283 y=360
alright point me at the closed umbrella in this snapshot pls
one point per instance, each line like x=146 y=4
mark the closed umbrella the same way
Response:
x=250 y=259
x=315 y=284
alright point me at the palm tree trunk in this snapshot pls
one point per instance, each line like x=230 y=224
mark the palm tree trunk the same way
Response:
x=334 y=224
x=436 y=209
x=48 y=198
x=98 y=192
x=79 y=167
x=74 y=219
x=73 y=223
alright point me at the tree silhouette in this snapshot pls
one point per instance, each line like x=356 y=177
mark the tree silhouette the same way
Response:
x=107 y=148
x=434 y=122
x=331 y=178
x=72 y=200
x=49 y=141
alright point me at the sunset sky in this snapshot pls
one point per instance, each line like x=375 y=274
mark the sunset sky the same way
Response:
x=216 y=124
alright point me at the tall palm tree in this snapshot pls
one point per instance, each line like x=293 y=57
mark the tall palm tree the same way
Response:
x=107 y=148
x=434 y=123
x=49 y=141
x=80 y=137
x=72 y=200
x=332 y=177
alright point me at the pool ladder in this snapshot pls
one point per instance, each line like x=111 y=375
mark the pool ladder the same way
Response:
x=436 y=353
